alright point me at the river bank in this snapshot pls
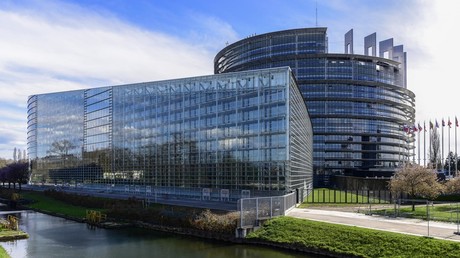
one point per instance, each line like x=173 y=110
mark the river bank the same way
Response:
x=216 y=232
x=9 y=235
x=287 y=233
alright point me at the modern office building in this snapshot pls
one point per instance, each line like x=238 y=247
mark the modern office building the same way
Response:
x=219 y=136
x=358 y=103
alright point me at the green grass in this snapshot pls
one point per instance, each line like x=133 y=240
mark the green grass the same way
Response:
x=47 y=204
x=8 y=235
x=331 y=196
x=439 y=212
x=354 y=241
x=3 y=253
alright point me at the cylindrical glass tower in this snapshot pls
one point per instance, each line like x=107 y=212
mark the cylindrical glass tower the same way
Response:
x=358 y=104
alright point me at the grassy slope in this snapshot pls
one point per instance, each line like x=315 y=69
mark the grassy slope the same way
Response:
x=48 y=204
x=3 y=253
x=352 y=240
x=6 y=235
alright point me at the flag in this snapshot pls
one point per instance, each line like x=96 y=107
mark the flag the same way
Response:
x=437 y=125
x=449 y=123
x=424 y=126
x=419 y=127
x=406 y=128
x=443 y=124
x=456 y=122
x=431 y=125
x=414 y=128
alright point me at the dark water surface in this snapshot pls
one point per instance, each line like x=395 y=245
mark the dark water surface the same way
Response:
x=56 y=237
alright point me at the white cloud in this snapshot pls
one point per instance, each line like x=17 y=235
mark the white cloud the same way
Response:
x=211 y=32
x=54 y=46
x=427 y=29
x=429 y=32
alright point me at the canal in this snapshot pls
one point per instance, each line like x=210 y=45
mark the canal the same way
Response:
x=56 y=237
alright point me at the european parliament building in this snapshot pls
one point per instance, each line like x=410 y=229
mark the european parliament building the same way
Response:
x=230 y=135
x=358 y=103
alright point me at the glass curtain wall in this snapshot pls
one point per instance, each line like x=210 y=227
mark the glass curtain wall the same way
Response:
x=229 y=131
x=358 y=104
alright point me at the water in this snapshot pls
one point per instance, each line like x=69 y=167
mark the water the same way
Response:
x=56 y=237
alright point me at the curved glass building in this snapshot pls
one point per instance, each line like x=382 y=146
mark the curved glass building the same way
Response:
x=358 y=104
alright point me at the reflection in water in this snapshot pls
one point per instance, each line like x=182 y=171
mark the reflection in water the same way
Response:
x=57 y=237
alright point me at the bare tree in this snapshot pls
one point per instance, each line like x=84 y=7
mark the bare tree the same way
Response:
x=435 y=149
x=61 y=148
x=416 y=181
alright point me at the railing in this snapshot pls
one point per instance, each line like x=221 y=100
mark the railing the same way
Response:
x=254 y=210
x=324 y=195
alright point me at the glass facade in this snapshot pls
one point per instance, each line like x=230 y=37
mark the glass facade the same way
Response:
x=233 y=132
x=358 y=104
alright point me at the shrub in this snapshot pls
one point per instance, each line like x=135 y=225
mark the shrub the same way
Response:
x=222 y=223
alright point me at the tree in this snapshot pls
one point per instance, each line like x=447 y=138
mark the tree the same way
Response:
x=449 y=165
x=435 y=149
x=4 y=171
x=416 y=181
x=61 y=148
x=453 y=185
x=18 y=173
x=4 y=162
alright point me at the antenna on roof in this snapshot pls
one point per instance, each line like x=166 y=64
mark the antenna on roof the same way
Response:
x=316 y=12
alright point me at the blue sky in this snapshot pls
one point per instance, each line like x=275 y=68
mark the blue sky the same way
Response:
x=51 y=45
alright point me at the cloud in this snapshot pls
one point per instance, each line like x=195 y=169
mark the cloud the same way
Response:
x=53 y=46
x=211 y=32
x=428 y=30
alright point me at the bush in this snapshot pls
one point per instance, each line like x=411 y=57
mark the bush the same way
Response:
x=221 y=223
x=162 y=215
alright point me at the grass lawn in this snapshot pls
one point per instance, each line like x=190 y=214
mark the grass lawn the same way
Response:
x=3 y=253
x=346 y=240
x=48 y=204
x=438 y=212
x=7 y=235
x=326 y=196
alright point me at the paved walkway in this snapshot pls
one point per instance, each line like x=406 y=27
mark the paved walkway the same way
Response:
x=400 y=225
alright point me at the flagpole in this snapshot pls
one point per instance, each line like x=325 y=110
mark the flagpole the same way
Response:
x=456 y=158
x=448 y=146
x=418 y=146
x=413 y=143
x=442 y=146
x=429 y=142
x=424 y=144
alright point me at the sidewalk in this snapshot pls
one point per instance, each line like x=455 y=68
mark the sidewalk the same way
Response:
x=400 y=225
